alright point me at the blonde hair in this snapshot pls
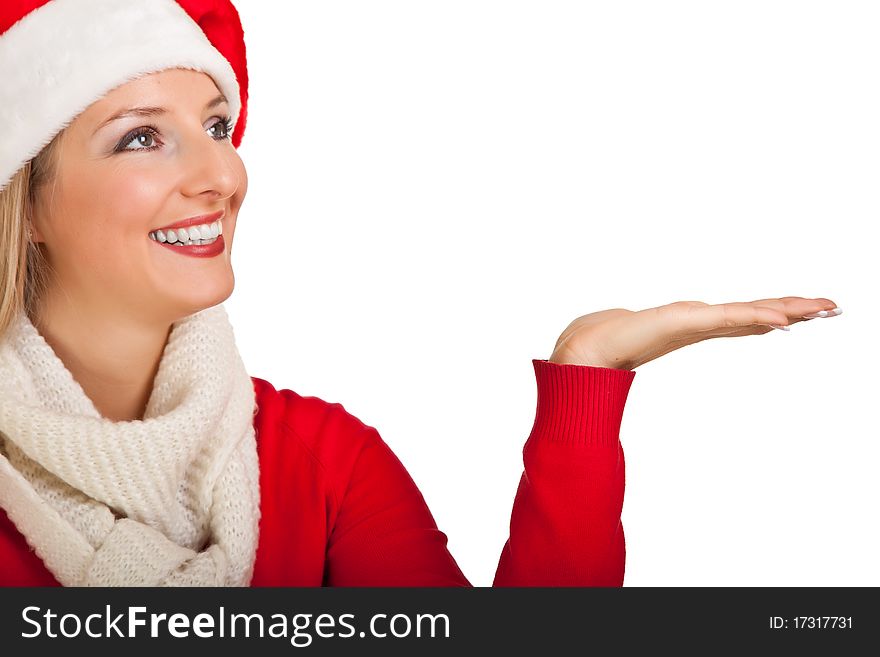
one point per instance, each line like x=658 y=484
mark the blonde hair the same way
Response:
x=24 y=270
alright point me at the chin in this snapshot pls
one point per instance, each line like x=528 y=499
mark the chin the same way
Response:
x=190 y=306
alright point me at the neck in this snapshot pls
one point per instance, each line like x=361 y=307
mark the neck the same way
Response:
x=113 y=357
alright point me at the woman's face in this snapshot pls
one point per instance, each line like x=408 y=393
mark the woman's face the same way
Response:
x=115 y=186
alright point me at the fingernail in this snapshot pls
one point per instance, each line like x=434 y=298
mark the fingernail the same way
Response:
x=834 y=312
x=780 y=328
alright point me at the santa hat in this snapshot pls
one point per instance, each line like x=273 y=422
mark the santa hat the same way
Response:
x=57 y=57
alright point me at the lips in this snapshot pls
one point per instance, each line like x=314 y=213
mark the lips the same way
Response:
x=217 y=247
x=193 y=221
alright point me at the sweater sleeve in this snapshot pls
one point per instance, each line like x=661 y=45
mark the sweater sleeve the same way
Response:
x=565 y=527
x=565 y=523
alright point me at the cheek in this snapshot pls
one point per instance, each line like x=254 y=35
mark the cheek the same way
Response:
x=106 y=211
x=115 y=202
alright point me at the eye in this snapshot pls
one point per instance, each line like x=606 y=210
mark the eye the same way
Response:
x=146 y=135
x=225 y=122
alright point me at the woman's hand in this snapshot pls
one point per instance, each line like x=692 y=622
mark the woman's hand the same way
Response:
x=623 y=339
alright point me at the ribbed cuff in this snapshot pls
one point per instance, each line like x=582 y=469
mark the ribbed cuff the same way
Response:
x=579 y=404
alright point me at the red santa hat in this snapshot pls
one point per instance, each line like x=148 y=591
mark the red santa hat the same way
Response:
x=57 y=57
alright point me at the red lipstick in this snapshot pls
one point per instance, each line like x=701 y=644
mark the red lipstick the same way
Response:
x=192 y=221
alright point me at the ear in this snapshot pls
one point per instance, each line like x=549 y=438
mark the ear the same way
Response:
x=33 y=233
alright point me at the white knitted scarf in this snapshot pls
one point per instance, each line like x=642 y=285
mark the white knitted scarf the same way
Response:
x=170 y=500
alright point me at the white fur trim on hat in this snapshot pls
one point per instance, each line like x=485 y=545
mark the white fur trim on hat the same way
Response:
x=65 y=55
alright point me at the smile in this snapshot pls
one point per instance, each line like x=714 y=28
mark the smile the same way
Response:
x=200 y=234
x=197 y=242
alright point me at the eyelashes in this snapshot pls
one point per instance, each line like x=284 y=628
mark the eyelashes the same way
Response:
x=153 y=133
x=226 y=122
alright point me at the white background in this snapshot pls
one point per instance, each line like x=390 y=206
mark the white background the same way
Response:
x=438 y=188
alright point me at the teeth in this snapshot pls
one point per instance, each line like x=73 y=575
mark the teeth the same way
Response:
x=195 y=242
x=202 y=234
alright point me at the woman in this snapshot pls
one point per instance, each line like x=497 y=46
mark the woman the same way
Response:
x=134 y=447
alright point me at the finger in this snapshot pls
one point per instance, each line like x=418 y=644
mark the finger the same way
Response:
x=798 y=307
x=788 y=300
x=779 y=311
x=760 y=329
x=834 y=312
x=727 y=315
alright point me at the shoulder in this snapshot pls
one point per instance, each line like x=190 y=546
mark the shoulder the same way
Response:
x=292 y=426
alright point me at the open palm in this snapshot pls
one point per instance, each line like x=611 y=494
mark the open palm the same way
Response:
x=624 y=339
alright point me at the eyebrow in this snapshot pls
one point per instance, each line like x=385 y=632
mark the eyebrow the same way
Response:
x=152 y=111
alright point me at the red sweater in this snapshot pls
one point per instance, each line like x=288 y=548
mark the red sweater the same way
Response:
x=339 y=509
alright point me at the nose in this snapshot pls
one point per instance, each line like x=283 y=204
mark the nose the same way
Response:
x=208 y=166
